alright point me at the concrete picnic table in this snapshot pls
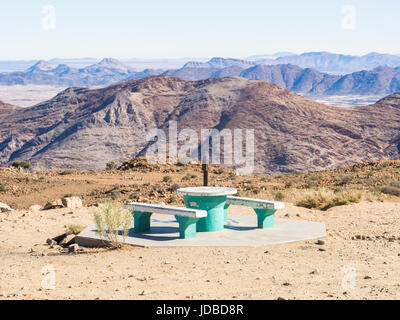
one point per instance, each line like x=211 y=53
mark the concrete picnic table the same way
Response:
x=211 y=199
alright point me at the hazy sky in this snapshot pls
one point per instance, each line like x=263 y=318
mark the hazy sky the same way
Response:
x=33 y=29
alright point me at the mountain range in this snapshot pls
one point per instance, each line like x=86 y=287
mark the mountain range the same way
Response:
x=85 y=128
x=308 y=81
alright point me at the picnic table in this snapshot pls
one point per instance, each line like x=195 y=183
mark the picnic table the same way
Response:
x=211 y=199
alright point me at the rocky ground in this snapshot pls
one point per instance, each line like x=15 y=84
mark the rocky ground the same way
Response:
x=363 y=240
x=359 y=259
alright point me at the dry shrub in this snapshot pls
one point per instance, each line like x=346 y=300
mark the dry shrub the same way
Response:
x=110 y=220
x=324 y=201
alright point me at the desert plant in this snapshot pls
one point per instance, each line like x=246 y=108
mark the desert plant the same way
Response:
x=325 y=202
x=279 y=196
x=2 y=188
x=109 y=220
x=189 y=177
x=394 y=191
x=21 y=164
x=219 y=171
x=66 y=172
x=74 y=229
x=112 y=165
x=167 y=179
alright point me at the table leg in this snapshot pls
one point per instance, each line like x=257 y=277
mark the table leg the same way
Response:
x=187 y=227
x=265 y=218
x=141 y=221
x=214 y=205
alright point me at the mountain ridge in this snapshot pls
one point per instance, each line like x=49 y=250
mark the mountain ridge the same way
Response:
x=85 y=128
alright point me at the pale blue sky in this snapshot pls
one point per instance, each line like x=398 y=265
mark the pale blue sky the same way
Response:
x=185 y=28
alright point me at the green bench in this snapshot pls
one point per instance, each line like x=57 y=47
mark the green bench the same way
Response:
x=264 y=209
x=187 y=218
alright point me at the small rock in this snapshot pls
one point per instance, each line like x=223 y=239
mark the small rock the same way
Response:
x=27 y=214
x=72 y=202
x=73 y=248
x=367 y=278
x=258 y=278
x=314 y=272
x=320 y=242
x=321 y=249
x=286 y=284
x=143 y=293
x=51 y=242
x=280 y=298
x=56 y=204
x=5 y=208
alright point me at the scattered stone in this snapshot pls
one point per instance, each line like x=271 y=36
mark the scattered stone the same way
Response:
x=143 y=293
x=320 y=242
x=280 y=298
x=259 y=278
x=321 y=249
x=5 y=208
x=314 y=272
x=72 y=202
x=27 y=214
x=73 y=248
x=367 y=278
x=35 y=208
x=51 y=242
x=286 y=284
x=56 y=204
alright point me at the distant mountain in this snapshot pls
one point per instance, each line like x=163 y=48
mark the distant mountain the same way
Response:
x=380 y=81
x=106 y=72
x=338 y=63
x=220 y=63
x=84 y=129
x=270 y=56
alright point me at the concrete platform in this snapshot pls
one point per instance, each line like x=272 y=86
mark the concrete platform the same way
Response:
x=240 y=231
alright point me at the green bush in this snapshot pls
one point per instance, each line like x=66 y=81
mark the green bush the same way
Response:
x=21 y=164
x=394 y=191
x=324 y=203
x=112 y=165
x=279 y=196
x=167 y=179
x=109 y=220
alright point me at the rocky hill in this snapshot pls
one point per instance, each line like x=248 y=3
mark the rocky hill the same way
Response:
x=6 y=109
x=84 y=129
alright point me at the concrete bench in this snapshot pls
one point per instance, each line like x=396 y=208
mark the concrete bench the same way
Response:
x=187 y=218
x=264 y=209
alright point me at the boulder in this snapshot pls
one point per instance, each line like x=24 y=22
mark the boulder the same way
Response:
x=4 y=207
x=72 y=202
x=35 y=208
x=56 y=204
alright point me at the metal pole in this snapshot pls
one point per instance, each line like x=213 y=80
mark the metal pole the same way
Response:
x=205 y=174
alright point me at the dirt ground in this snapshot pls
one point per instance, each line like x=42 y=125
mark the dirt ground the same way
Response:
x=360 y=259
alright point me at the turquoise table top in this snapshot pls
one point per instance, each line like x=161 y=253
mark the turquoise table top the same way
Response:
x=211 y=199
x=207 y=191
